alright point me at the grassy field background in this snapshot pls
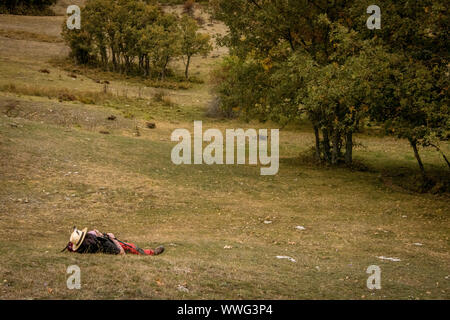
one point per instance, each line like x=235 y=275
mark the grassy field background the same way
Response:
x=57 y=170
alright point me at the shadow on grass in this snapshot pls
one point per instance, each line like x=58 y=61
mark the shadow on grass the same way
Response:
x=396 y=175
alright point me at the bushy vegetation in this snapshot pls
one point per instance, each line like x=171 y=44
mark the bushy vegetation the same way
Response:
x=317 y=59
x=25 y=7
x=175 y=2
x=134 y=37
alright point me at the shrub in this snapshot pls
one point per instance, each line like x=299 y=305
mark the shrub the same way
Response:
x=27 y=7
x=189 y=7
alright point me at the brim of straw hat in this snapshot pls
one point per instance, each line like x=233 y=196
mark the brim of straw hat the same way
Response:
x=75 y=246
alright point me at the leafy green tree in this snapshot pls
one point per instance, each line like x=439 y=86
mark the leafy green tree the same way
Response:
x=41 y=7
x=318 y=58
x=277 y=35
x=418 y=106
x=336 y=96
x=132 y=36
x=81 y=44
x=192 y=42
x=240 y=85
x=97 y=15
x=415 y=100
x=166 y=43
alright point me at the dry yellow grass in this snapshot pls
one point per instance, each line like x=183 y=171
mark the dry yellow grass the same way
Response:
x=55 y=176
x=26 y=35
x=50 y=26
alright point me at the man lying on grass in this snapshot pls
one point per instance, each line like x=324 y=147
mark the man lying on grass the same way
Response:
x=94 y=241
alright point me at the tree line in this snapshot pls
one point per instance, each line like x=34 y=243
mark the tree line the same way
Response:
x=36 y=7
x=135 y=37
x=291 y=59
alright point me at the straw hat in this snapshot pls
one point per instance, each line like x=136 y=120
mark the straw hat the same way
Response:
x=77 y=237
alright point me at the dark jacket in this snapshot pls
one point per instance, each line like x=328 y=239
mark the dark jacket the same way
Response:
x=94 y=244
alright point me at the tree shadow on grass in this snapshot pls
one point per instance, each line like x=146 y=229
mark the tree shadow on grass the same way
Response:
x=395 y=175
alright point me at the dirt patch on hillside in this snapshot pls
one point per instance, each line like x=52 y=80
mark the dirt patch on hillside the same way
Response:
x=50 y=26
x=67 y=115
x=31 y=50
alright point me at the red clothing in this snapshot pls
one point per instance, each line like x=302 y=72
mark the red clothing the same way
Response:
x=131 y=248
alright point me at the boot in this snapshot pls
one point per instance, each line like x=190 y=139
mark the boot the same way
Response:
x=158 y=250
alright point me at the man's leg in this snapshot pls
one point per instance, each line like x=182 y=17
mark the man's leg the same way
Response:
x=132 y=248
x=117 y=243
x=149 y=252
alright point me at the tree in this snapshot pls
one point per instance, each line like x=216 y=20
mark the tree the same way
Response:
x=36 y=7
x=166 y=43
x=279 y=35
x=80 y=43
x=414 y=105
x=336 y=96
x=189 y=7
x=132 y=36
x=418 y=106
x=98 y=16
x=317 y=58
x=192 y=42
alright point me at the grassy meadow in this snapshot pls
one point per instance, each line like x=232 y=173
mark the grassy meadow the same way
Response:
x=63 y=163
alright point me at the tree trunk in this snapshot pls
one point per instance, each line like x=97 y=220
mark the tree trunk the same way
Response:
x=348 y=148
x=316 y=134
x=114 y=59
x=446 y=160
x=186 y=72
x=291 y=42
x=127 y=64
x=442 y=153
x=163 y=73
x=104 y=57
x=147 y=66
x=335 y=153
x=357 y=121
x=141 y=64
x=416 y=154
x=326 y=144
